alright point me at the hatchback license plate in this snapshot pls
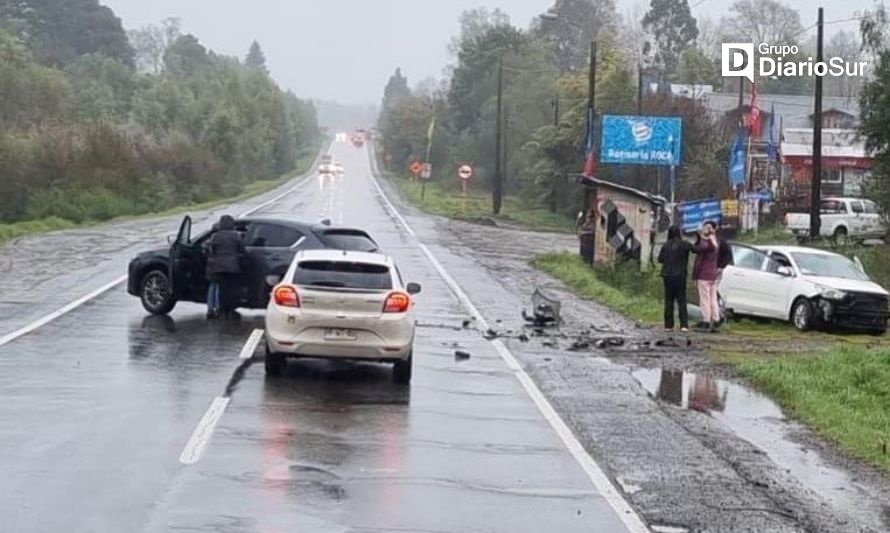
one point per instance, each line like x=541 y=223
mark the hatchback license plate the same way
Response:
x=340 y=335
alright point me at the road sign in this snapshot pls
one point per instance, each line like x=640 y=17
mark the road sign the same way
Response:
x=416 y=168
x=465 y=172
x=427 y=171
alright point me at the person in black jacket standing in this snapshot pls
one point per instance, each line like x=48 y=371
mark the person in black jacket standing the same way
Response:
x=224 y=263
x=674 y=259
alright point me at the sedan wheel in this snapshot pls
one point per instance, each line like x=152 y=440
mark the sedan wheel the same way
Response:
x=275 y=363
x=155 y=293
x=802 y=315
x=402 y=370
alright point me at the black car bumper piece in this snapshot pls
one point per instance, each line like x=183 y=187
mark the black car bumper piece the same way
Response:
x=857 y=311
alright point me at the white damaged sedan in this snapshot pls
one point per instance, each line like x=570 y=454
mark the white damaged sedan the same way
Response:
x=811 y=288
x=342 y=305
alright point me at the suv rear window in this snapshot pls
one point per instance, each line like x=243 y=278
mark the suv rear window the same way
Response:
x=350 y=240
x=343 y=275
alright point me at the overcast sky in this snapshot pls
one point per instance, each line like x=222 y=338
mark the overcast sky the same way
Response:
x=345 y=50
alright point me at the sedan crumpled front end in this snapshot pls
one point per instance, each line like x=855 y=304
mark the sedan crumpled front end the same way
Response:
x=860 y=311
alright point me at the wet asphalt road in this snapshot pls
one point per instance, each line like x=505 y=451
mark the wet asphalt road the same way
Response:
x=98 y=405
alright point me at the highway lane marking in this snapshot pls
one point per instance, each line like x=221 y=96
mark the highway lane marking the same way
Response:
x=200 y=438
x=597 y=476
x=67 y=308
x=250 y=346
x=39 y=323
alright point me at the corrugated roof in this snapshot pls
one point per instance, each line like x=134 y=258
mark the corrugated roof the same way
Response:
x=835 y=143
x=653 y=198
x=795 y=110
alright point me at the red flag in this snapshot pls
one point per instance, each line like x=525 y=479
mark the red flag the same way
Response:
x=753 y=119
x=589 y=151
x=590 y=166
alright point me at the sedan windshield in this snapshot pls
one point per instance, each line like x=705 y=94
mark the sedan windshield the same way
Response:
x=829 y=266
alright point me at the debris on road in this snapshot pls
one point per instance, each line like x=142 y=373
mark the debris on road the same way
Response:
x=523 y=337
x=491 y=334
x=461 y=355
x=545 y=310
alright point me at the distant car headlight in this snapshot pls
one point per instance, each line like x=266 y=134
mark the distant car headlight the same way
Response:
x=830 y=293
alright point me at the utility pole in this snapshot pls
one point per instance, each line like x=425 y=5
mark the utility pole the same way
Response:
x=591 y=118
x=555 y=178
x=497 y=190
x=816 y=199
x=639 y=169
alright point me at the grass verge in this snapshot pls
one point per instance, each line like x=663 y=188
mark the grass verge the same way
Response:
x=16 y=230
x=442 y=201
x=844 y=394
x=838 y=384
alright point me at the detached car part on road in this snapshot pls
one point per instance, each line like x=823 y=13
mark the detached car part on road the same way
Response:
x=342 y=305
x=163 y=277
x=811 y=288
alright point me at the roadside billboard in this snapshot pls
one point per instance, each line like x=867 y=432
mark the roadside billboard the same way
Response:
x=641 y=140
x=694 y=214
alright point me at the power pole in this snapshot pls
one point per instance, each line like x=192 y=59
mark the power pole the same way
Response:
x=554 y=179
x=639 y=169
x=497 y=190
x=816 y=197
x=591 y=118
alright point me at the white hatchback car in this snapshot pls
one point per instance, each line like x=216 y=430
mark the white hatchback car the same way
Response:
x=809 y=287
x=342 y=305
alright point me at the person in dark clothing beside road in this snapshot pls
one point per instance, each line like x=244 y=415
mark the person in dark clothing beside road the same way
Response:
x=586 y=233
x=213 y=303
x=224 y=264
x=674 y=259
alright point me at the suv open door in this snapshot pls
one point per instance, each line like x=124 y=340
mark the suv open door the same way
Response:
x=181 y=259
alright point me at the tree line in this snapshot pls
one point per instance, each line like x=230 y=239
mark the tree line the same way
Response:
x=546 y=84
x=98 y=123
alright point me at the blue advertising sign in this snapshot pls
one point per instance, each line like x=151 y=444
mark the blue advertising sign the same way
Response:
x=694 y=214
x=637 y=140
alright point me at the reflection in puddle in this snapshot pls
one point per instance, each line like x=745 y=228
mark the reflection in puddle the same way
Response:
x=758 y=420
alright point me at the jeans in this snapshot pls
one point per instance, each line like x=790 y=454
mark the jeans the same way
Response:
x=587 y=246
x=707 y=296
x=675 y=291
x=213 y=299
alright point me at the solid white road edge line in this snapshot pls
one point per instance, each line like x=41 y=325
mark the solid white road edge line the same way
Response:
x=67 y=308
x=196 y=445
x=607 y=489
x=250 y=346
x=9 y=337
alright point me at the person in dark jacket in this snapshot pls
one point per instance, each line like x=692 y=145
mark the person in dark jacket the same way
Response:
x=586 y=234
x=224 y=263
x=724 y=256
x=705 y=272
x=674 y=259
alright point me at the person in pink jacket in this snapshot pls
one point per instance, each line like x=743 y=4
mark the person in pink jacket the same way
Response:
x=706 y=273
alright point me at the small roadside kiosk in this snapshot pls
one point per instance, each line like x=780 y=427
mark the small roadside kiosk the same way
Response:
x=630 y=221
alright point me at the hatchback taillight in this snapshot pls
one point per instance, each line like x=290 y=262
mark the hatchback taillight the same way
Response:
x=397 y=302
x=286 y=296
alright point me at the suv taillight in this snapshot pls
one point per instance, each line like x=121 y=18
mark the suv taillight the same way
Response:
x=397 y=302
x=286 y=296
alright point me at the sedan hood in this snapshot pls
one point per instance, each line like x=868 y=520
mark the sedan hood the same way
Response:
x=849 y=285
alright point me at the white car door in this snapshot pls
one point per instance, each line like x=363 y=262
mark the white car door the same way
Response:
x=857 y=219
x=764 y=288
x=735 y=287
x=874 y=226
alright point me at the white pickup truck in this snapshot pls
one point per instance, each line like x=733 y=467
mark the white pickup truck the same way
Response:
x=843 y=219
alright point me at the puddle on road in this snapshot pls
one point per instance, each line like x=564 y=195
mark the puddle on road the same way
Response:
x=757 y=419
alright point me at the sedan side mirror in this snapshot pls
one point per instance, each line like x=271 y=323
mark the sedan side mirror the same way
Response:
x=170 y=239
x=273 y=280
x=785 y=271
x=413 y=288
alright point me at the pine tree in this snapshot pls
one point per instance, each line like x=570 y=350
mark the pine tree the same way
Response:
x=256 y=59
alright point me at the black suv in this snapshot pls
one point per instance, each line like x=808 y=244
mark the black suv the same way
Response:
x=163 y=277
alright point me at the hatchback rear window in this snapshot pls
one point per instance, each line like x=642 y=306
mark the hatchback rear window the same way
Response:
x=343 y=275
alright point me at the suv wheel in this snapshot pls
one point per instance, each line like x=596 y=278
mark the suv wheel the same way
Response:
x=156 y=293
x=840 y=237
x=401 y=372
